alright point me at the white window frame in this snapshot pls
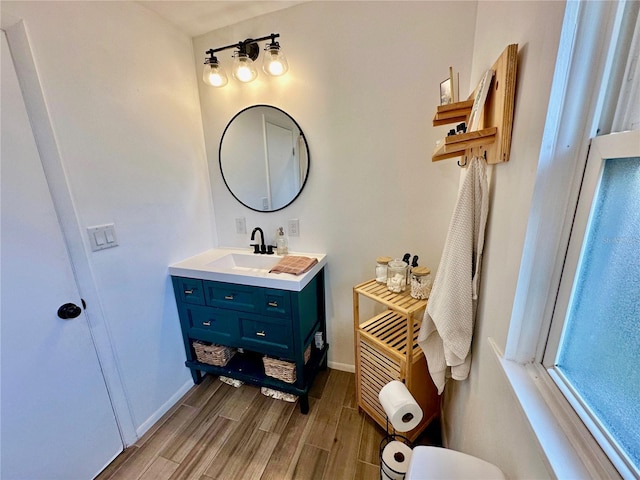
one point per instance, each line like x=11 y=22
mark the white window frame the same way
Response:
x=612 y=146
x=579 y=102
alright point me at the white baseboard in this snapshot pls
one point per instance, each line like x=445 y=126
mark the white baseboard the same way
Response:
x=157 y=415
x=345 y=367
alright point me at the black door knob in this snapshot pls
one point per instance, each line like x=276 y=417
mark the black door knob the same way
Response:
x=69 y=310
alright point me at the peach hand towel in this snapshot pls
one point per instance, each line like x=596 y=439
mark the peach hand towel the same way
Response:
x=294 y=264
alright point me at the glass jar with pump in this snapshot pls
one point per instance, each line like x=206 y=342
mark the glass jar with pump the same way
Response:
x=397 y=276
x=421 y=283
x=381 y=269
x=281 y=242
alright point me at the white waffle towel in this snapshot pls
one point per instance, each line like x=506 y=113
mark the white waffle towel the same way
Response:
x=447 y=326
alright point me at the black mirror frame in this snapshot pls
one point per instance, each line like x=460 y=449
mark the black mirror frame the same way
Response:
x=306 y=144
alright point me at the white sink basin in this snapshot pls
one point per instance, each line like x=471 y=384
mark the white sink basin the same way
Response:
x=245 y=262
x=245 y=268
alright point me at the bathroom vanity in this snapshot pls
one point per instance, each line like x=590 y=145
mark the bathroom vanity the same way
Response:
x=228 y=297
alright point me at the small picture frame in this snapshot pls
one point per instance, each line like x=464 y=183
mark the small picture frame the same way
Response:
x=445 y=92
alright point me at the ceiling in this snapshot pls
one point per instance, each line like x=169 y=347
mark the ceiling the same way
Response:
x=198 y=17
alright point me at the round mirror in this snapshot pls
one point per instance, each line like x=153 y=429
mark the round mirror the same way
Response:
x=264 y=158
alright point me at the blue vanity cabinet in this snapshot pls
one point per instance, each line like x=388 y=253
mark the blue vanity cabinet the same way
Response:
x=259 y=321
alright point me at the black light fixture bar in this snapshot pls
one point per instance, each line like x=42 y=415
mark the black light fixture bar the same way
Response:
x=242 y=46
x=246 y=52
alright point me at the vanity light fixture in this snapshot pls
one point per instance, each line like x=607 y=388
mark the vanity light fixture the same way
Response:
x=213 y=73
x=244 y=69
x=275 y=63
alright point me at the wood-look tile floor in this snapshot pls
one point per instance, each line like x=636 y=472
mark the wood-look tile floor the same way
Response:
x=217 y=431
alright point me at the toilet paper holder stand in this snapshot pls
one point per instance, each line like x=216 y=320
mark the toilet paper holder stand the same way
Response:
x=387 y=472
x=395 y=450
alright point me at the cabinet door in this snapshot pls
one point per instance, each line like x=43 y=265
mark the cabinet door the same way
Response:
x=212 y=325
x=266 y=335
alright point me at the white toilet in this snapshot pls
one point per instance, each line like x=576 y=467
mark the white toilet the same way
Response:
x=431 y=463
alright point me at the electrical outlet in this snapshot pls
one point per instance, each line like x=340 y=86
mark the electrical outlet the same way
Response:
x=241 y=225
x=293 y=227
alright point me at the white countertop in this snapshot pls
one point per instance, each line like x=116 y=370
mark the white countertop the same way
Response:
x=217 y=264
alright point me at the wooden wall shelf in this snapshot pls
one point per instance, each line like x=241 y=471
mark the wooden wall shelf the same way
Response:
x=457 y=145
x=452 y=113
x=492 y=139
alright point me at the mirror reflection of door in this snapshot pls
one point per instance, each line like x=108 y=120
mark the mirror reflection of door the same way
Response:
x=283 y=169
x=264 y=158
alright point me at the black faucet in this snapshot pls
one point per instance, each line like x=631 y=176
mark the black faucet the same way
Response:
x=258 y=247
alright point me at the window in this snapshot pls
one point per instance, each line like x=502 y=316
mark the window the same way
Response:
x=596 y=359
x=551 y=357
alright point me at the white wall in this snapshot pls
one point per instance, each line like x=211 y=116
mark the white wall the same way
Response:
x=363 y=85
x=122 y=96
x=481 y=415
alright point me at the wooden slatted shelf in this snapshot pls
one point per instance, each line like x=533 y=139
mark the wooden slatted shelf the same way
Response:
x=402 y=302
x=387 y=349
x=389 y=329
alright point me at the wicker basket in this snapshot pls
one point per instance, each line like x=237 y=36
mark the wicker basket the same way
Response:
x=281 y=369
x=307 y=354
x=217 y=355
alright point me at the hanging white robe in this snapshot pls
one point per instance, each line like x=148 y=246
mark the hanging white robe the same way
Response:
x=447 y=327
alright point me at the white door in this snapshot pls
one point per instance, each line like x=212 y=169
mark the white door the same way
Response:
x=56 y=420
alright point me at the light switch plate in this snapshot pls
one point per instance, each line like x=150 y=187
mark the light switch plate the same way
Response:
x=102 y=236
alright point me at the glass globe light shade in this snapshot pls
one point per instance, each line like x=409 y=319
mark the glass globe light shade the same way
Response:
x=275 y=63
x=214 y=75
x=243 y=69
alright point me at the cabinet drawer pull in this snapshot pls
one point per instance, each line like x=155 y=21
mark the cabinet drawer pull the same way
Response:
x=273 y=304
x=188 y=292
x=207 y=324
x=228 y=297
x=261 y=334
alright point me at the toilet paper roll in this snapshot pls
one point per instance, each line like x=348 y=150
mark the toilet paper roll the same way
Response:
x=395 y=459
x=401 y=408
x=383 y=474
